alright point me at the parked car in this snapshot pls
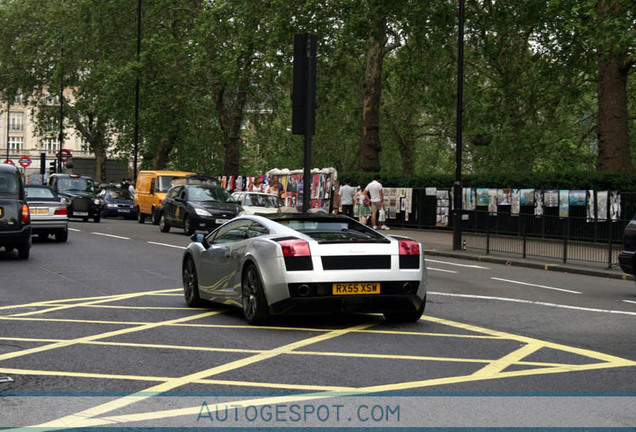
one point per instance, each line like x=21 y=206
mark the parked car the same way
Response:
x=196 y=207
x=117 y=201
x=150 y=190
x=81 y=191
x=627 y=258
x=15 y=218
x=305 y=263
x=261 y=203
x=49 y=215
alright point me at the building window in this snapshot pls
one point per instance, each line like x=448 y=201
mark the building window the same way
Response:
x=15 y=121
x=16 y=143
x=49 y=144
x=18 y=99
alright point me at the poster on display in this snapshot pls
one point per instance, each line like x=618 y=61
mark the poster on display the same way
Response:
x=564 y=203
x=481 y=198
x=578 y=198
x=591 y=206
x=601 y=206
x=615 y=205
x=527 y=197
x=538 y=203
x=551 y=198
x=504 y=197
x=443 y=203
x=468 y=199
x=515 y=203
x=492 y=202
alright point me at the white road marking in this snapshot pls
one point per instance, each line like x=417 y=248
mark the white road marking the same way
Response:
x=166 y=244
x=536 y=286
x=555 y=305
x=111 y=235
x=629 y=301
x=74 y=229
x=458 y=265
x=441 y=270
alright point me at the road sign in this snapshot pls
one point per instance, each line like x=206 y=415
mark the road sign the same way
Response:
x=9 y=161
x=64 y=155
x=25 y=161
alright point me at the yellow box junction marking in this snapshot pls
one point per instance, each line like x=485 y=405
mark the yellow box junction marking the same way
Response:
x=102 y=415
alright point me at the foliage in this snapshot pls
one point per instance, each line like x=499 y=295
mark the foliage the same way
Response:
x=216 y=78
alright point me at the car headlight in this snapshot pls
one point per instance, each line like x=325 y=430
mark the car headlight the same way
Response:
x=96 y=201
x=65 y=201
x=111 y=205
x=202 y=212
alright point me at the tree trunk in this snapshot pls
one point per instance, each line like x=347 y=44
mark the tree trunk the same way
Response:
x=614 y=153
x=370 y=146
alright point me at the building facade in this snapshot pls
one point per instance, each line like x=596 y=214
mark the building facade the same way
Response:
x=20 y=136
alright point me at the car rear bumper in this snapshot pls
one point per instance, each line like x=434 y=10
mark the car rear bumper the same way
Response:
x=48 y=225
x=346 y=304
x=11 y=238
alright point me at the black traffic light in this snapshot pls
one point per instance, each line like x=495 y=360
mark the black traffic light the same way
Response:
x=52 y=167
x=42 y=164
x=304 y=84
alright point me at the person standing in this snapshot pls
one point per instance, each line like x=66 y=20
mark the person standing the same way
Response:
x=346 y=197
x=364 y=211
x=376 y=197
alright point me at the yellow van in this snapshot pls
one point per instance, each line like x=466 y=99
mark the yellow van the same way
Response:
x=150 y=190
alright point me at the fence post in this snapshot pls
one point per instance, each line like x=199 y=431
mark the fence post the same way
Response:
x=525 y=233
x=566 y=235
x=488 y=234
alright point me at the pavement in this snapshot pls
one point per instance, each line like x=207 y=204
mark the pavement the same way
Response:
x=440 y=243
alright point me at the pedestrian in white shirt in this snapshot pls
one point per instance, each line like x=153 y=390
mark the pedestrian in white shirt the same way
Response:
x=346 y=197
x=376 y=197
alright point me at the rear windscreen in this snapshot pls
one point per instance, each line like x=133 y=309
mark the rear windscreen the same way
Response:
x=9 y=184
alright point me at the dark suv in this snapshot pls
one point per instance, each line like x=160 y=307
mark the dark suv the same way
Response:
x=15 y=219
x=197 y=207
x=81 y=192
x=627 y=258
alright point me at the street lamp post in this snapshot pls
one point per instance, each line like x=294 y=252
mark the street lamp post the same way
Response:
x=61 y=137
x=136 y=148
x=457 y=185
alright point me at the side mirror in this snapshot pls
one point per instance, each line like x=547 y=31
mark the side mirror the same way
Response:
x=200 y=238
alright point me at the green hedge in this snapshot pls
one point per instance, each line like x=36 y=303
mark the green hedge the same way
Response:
x=624 y=182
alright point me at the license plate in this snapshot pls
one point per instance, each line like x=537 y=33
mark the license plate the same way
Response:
x=80 y=213
x=353 y=288
x=39 y=211
x=124 y=210
x=220 y=221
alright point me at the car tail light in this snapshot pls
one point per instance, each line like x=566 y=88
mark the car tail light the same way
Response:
x=295 y=248
x=409 y=254
x=61 y=211
x=409 y=247
x=25 y=216
x=296 y=254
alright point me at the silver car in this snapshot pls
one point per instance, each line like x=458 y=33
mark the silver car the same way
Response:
x=305 y=263
x=49 y=214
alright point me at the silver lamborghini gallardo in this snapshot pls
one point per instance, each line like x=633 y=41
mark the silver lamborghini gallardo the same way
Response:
x=305 y=263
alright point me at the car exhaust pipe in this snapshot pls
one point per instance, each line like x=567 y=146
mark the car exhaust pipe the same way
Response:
x=407 y=288
x=303 y=290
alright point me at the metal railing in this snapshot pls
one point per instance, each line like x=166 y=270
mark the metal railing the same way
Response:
x=582 y=235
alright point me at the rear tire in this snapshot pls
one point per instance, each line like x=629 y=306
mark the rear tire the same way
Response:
x=190 y=283
x=23 y=251
x=253 y=299
x=163 y=224
x=61 y=236
x=407 y=315
x=155 y=216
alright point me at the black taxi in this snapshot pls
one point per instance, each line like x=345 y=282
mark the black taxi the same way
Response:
x=15 y=219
